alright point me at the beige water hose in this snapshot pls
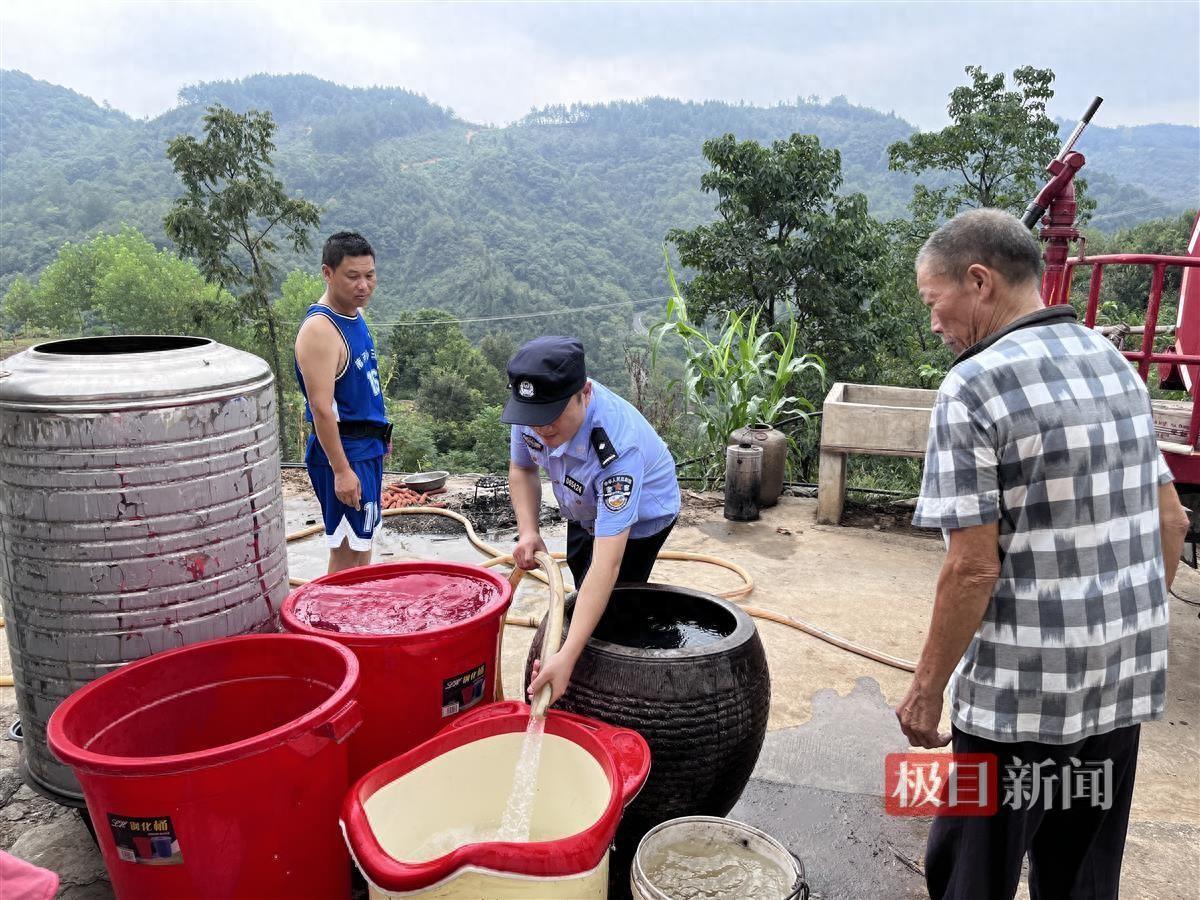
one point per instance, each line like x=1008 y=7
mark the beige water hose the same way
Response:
x=496 y=554
x=497 y=557
x=551 y=575
x=553 y=634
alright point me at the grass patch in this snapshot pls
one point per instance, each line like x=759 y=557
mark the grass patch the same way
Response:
x=898 y=474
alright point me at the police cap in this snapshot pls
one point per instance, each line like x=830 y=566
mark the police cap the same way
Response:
x=543 y=376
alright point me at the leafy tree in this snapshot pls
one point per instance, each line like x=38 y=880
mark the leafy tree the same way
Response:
x=20 y=307
x=121 y=284
x=430 y=340
x=448 y=396
x=234 y=212
x=498 y=348
x=907 y=352
x=474 y=368
x=786 y=243
x=413 y=348
x=993 y=154
x=1127 y=288
x=488 y=438
x=995 y=150
x=413 y=446
x=299 y=291
x=62 y=300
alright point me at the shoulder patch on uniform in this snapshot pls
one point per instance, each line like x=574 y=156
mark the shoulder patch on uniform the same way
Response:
x=603 y=447
x=615 y=491
x=532 y=443
x=573 y=485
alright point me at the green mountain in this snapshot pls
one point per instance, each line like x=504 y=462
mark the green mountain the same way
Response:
x=566 y=208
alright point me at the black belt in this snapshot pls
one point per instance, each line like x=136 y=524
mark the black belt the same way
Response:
x=366 y=429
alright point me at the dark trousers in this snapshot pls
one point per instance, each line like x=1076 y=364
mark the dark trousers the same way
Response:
x=640 y=554
x=1074 y=853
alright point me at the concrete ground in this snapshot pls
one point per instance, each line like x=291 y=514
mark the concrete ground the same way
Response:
x=818 y=786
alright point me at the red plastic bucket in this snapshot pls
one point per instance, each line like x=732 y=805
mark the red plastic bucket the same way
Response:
x=217 y=770
x=497 y=868
x=414 y=684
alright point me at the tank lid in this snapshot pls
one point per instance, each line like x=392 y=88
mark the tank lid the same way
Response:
x=130 y=371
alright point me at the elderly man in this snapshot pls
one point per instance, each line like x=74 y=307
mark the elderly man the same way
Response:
x=1063 y=532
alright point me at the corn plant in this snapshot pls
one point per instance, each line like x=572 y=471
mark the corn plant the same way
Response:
x=740 y=378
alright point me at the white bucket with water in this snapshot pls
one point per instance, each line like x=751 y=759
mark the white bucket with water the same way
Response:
x=709 y=858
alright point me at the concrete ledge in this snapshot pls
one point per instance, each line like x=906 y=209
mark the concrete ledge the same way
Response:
x=877 y=420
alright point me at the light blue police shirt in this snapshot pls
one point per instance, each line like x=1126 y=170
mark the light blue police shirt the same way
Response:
x=634 y=488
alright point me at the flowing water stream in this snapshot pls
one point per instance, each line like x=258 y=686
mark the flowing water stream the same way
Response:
x=517 y=815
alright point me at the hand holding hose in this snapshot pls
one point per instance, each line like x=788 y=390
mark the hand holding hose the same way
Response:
x=554 y=625
x=526 y=549
x=555 y=675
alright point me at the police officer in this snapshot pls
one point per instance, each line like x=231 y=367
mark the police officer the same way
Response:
x=612 y=474
x=339 y=377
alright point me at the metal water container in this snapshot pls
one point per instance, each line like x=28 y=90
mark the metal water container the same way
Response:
x=140 y=510
x=743 y=482
x=775 y=449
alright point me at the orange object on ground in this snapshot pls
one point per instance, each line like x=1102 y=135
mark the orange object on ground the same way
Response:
x=397 y=496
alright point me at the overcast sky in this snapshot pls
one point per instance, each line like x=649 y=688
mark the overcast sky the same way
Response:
x=493 y=62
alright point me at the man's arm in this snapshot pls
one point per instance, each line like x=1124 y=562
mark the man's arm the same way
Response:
x=525 y=490
x=318 y=353
x=618 y=496
x=1173 y=526
x=964 y=589
x=590 y=603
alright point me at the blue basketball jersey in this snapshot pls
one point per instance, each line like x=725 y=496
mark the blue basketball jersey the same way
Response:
x=357 y=394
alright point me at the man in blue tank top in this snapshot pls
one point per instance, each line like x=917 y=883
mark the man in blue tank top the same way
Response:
x=339 y=377
x=612 y=475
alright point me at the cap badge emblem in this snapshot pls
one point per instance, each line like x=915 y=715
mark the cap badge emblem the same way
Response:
x=525 y=389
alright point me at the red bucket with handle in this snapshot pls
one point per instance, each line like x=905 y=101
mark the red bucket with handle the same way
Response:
x=217 y=770
x=425 y=823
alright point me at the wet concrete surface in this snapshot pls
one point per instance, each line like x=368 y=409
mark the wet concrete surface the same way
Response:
x=849 y=849
x=818 y=788
x=399 y=541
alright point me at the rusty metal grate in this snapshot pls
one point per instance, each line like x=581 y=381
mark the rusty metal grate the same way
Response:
x=494 y=488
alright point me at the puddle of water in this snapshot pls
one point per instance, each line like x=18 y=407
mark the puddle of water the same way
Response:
x=308 y=558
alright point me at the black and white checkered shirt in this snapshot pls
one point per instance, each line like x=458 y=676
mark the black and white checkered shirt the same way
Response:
x=1047 y=430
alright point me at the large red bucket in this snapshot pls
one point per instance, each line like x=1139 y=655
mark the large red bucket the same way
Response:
x=414 y=684
x=217 y=770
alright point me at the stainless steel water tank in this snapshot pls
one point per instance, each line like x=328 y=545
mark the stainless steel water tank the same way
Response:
x=140 y=509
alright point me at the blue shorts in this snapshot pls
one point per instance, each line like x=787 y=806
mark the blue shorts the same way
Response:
x=342 y=522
